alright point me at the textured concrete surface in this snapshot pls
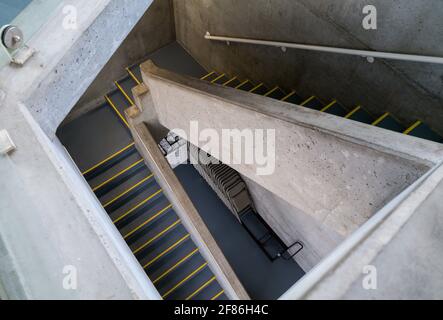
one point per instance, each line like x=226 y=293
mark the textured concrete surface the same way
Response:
x=48 y=217
x=408 y=90
x=187 y=212
x=329 y=170
x=405 y=248
x=292 y=224
x=155 y=29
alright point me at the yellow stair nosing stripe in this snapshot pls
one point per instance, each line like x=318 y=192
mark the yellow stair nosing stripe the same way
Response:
x=172 y=247
x=116 y=110
x=202 y=287
x=256 y=87
x=124 y=93
x=117 y=175
x=108 y=158
x=207 y=76
x=350 y=114
x=218 y=295
x=156 y=215
x=229 y=81
x=272 y=91
x=328 y=106
x=133 y=76
x=138 y=206
x=288 y=96
x=127 y=191
x=176 y=265
x=413 y=127
x=383 y=117
x=157 y=236
x=242 y=84
x=193 y=273
x=218 y=78
x=308 y=100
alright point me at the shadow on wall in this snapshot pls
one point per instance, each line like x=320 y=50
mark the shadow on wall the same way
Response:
x=409 y=90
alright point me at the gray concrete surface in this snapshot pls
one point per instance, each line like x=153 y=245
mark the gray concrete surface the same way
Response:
x=321 y=170
x=187 y=212
x=155 y=29
x=408 y=90
x=48 y=218
x=404 y=247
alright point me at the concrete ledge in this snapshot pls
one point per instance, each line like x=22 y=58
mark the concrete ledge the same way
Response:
x=338 y=171
x=184 y=208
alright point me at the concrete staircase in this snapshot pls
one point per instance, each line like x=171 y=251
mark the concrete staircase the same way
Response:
x=144 y=216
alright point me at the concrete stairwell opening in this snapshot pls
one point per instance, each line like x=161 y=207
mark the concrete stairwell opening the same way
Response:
x=335 y=166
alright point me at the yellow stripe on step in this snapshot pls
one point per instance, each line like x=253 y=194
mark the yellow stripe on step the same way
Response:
x=350 y=114
x=101 y=185
x=170 y=291
x=328 y=106
x=411 y=128
x=116 y=111
x=207 y=76
x=383 y=117
x=175 y=245
x=109 y=158
x=124 y=93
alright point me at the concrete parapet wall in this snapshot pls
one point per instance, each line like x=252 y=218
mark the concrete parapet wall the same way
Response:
x=337 y=171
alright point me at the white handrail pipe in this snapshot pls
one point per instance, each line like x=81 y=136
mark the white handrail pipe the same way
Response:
x=362 y=53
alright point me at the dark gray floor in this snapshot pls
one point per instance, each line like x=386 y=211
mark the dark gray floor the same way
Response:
x=262 y=278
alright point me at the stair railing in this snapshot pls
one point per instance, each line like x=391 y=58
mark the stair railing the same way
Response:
x=368 y=54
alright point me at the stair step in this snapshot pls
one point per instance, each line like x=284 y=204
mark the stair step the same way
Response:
x=313 y=103
x=195 y=278
x=128 y=190
x=149 y=252
x=388 y=122
x=147 y=221
x=245 y=85
x=130 y=210
x=276 y=93
x=126 y=85
x=335 y=108
x=172 y=278
x=260 y=89
x=210 y=76
x=423 y=131
x=220 y=79
x=110 y=162
x=360 y=115
x=211 y=290
x=135 y=73
x=294 y=98
x=117 y=174
x=170 y=262
x=232 y=83
x=168 y=231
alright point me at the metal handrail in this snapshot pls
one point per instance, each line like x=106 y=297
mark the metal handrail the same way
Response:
x=362 y=53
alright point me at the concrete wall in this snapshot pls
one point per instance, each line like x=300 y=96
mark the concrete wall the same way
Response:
x=154 y=30
x=402 y=245
x=408 y=90
x=49 y=219
x=337 y=171
x=292 y=224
